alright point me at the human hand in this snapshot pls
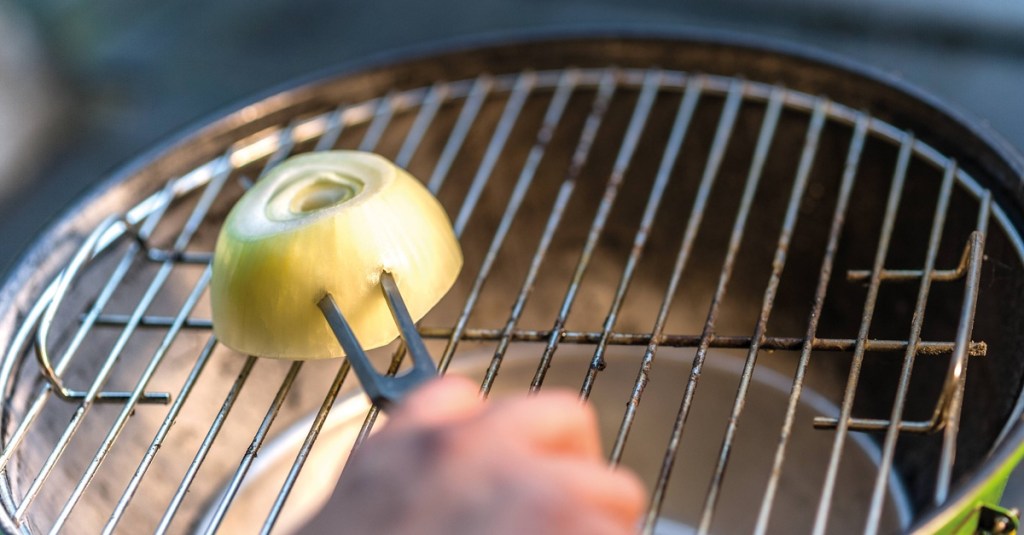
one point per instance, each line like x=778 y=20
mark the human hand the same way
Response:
x=450 y=463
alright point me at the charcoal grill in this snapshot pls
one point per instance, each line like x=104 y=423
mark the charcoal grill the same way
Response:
x=769 y=270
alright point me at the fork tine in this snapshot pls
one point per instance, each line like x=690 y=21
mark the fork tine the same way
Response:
x=423 y=366
x=383 y=390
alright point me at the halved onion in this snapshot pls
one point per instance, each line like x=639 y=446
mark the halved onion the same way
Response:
x=328 y=222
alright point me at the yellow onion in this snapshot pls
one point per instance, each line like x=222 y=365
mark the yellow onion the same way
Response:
x=328 y=222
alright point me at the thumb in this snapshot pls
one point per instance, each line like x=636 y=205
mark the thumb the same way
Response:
x=439 y=401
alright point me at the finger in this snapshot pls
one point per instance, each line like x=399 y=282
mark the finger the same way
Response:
x=564 y=523
x=552 y=422
x=439 y=401
x=600 y=524
x=597 y=524
x=614 y=493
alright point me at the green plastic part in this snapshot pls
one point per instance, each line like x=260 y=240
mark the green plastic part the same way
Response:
x=982 y=506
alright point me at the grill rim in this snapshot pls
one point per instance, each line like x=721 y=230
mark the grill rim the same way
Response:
x=982 y=147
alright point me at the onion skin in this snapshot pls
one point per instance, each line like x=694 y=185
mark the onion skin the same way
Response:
x=276 y=257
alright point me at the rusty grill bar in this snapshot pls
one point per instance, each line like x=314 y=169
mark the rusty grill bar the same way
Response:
x=601 y=86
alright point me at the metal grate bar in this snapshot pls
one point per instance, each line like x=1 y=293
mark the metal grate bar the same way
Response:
x=307 y=446
x=723 y=134
x=129 y=406
x=877 y=424
x=605 y=91
x=253 y=449
x=673 y=146
x=184 y=257
x=432 y=103
x=18 y=345
x=514 y=106
x=566 y=86
x=824 y=276
x=65 y=359
x=901 y=275
x=161 y=434
x=940 y=275
x=889 y=445
x=977 y=349
x=204 y=448
x=332 y=131
x=641 y=112
x=381 y=119
x=657 y=338
x=470 y=109
x=888 y=225
x=810 y=150
x=780 y=343
x=191 y=225
x=285 y=144
x=957 y=375
x=947 y=458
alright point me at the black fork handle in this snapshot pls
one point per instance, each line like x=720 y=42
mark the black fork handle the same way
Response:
x=383 y=390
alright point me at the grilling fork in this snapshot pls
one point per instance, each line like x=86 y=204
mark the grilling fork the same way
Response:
x=383 y=390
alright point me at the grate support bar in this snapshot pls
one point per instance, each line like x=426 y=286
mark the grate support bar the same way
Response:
x=951 y=400
x=974 y=253
x=928 y=348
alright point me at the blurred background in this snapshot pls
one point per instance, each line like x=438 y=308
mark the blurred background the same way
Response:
x=86 y=86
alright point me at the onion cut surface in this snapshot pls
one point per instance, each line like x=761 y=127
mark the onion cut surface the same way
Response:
x=328 y=222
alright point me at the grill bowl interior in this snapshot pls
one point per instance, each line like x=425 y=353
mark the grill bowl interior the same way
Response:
x=514 y=103
x=681 y=514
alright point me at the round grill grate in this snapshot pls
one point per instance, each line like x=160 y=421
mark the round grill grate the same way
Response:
x=736 y=273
